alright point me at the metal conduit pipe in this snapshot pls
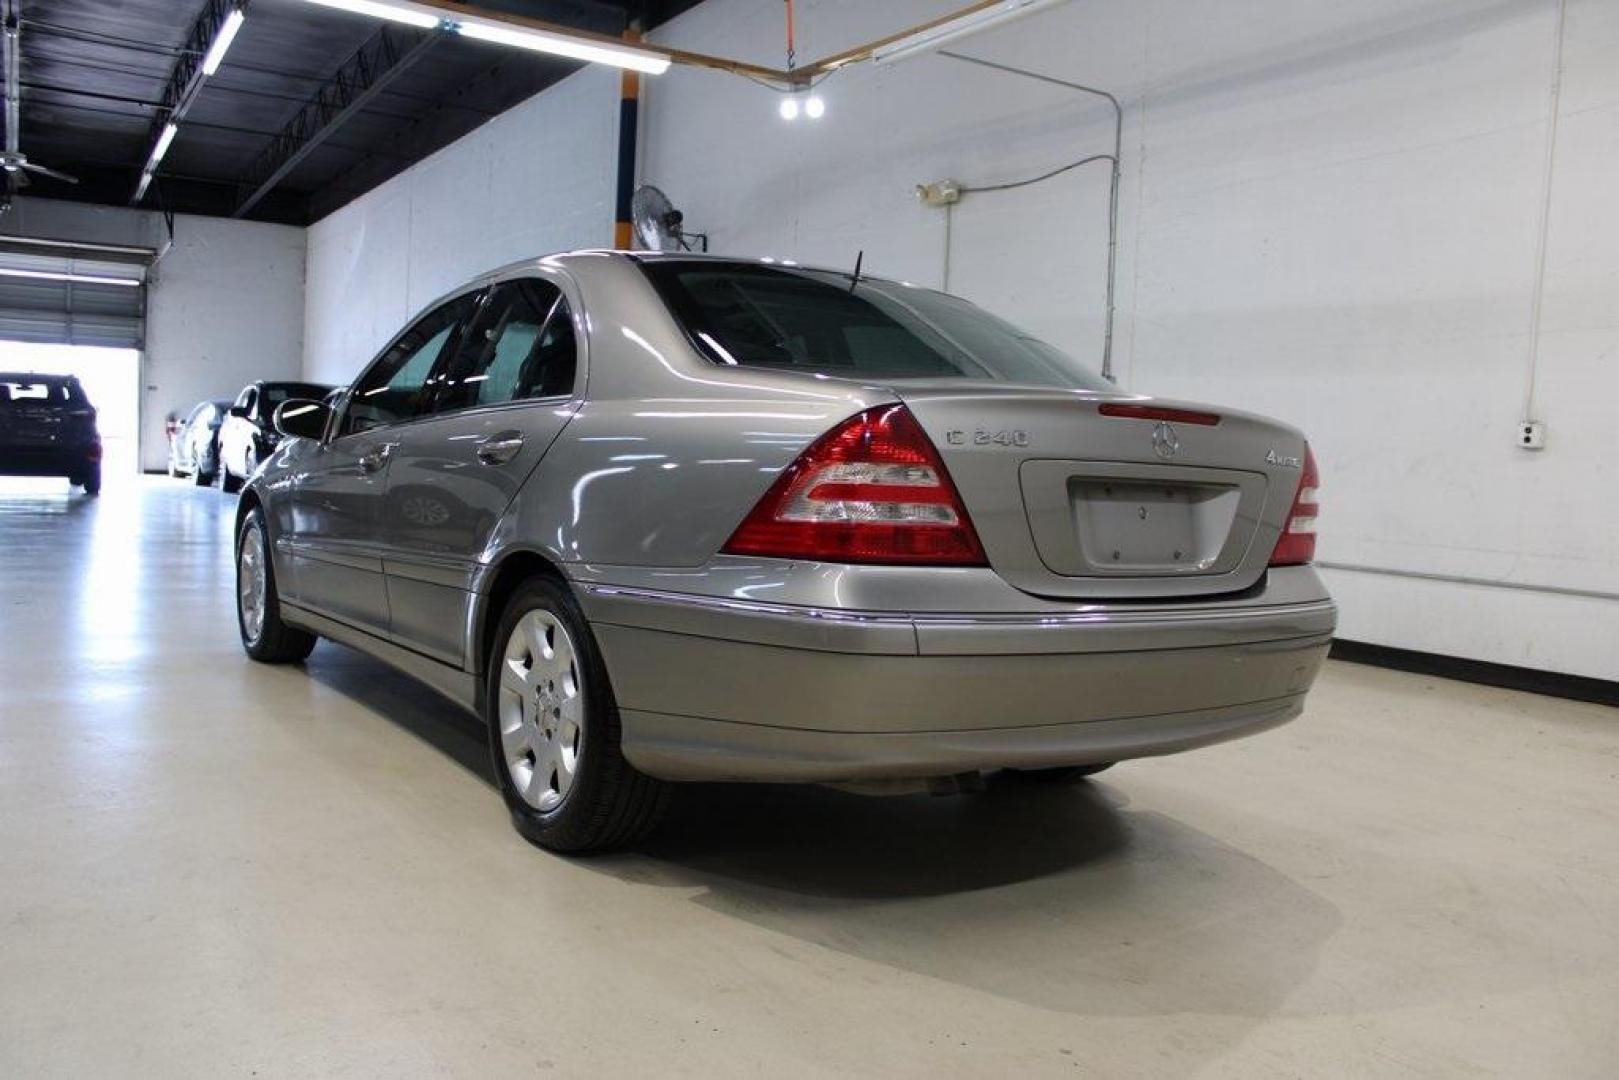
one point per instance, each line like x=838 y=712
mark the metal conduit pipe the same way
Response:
x=1462 y=579
x=1113 y=189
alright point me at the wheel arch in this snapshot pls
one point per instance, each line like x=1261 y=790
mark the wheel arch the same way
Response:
x=248 y=502
x=503 y=578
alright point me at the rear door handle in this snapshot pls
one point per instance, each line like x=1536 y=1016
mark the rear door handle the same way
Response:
x=374 y=459
x=501 y=448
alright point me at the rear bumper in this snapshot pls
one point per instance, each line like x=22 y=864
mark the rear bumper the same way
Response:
x=47 y=461
x=714 y=689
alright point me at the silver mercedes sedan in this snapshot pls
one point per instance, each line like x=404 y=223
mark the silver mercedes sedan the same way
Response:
x=662 y=518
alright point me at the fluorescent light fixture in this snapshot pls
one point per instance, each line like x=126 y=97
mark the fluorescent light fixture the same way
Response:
x=935 y=37
x=82 y=279
x=140 y=189
x=410 y=16
x=222 y=41
x=500 y=33
x=170 y=130
x=622 y=56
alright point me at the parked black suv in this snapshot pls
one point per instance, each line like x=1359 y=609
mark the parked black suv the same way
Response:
x=48 y=428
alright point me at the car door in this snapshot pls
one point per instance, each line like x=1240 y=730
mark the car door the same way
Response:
x=336 y=535
x=512 y=386
x=235 y=430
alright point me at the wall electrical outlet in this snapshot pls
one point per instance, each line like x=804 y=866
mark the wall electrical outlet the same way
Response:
x=1532 y=435
x=939 y=193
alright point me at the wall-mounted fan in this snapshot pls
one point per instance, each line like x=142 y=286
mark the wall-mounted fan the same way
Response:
x=658 y=225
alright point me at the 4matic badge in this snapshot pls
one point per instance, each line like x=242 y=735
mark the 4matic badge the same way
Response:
x=1273 y=458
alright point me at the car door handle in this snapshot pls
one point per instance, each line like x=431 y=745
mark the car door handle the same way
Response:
x=374 y=459
x=501 y=448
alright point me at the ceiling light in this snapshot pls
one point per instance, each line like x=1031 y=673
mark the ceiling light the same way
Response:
x=377 y=9
x=222 y=41
x=574 y=48
x=80 y=279
x=789 y=108
x=935 y=37
x=170 y=130
x=140 y=189
x=814 y=107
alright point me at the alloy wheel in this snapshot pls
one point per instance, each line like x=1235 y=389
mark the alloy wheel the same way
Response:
x=252 y=583
x=541 y=710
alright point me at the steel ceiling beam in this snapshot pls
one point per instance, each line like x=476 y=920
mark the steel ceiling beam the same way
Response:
x=186 y=76
x=381 y=60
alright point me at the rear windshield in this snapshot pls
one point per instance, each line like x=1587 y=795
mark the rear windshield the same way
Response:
x=814 y=321
x=25 y=391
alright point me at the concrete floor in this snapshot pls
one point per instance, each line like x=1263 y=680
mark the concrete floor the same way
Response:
x=213 y=868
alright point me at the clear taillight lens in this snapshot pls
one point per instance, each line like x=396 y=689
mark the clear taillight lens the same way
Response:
x=872 y=490
x=1297 y=542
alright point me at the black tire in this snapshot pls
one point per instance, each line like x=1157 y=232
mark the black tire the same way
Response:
x=275 y=641
x=202 y=478
x=608 y=803
x=229 y=483
x=1064 y=774
x=91 y=481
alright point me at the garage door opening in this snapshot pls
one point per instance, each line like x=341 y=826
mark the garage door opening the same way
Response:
x=111 y=380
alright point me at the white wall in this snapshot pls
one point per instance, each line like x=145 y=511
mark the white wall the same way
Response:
x=535 y=180
x=224 y=306
x=1330 y=213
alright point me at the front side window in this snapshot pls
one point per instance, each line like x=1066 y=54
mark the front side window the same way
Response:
x=395 y=388
x=826 y=323
x=522 y=346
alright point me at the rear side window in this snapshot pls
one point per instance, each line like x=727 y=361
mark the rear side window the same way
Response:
x=521 y=346
x=825 y=323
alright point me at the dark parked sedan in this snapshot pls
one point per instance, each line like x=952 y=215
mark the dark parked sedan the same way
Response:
x=246 y=437
x=48 y=428
x=194 y=451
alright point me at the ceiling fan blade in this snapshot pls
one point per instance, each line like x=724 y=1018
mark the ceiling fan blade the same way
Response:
x=62 y=176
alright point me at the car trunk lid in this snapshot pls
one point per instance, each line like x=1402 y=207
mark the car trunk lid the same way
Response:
x=1161 y=499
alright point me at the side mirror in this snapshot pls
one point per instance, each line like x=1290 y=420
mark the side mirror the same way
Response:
x=239 y=411
x=301 y=418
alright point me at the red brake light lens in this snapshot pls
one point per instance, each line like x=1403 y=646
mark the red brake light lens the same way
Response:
x=1296 y=545
x=1158 y=412
x=872 y=490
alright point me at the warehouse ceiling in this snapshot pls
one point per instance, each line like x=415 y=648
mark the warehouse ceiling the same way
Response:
x=93 y=74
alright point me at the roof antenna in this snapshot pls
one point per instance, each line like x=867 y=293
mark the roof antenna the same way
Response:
x=858 y=259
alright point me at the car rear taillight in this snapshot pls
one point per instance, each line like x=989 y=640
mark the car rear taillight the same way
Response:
x=1297 y=542
x=871 y=490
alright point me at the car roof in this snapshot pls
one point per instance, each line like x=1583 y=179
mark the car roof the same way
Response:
x=34 y=377
x=563 y=258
